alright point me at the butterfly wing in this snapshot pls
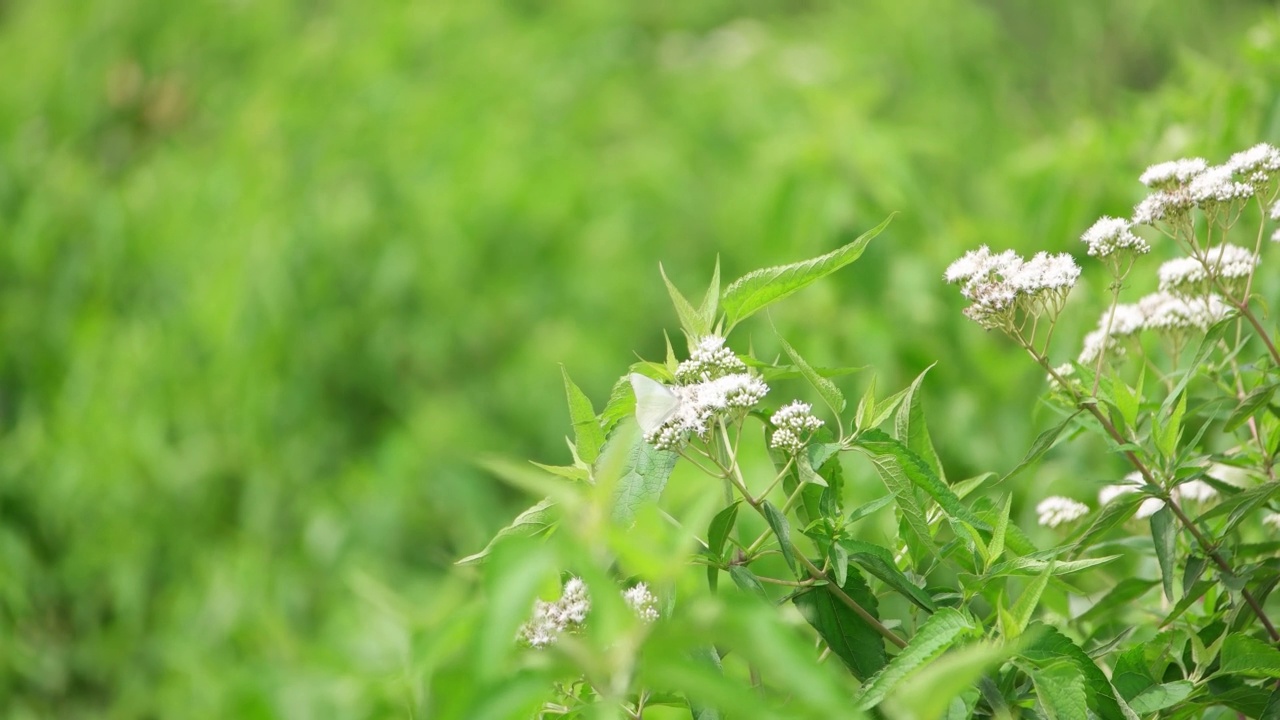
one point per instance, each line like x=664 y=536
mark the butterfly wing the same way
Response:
x=655 y=402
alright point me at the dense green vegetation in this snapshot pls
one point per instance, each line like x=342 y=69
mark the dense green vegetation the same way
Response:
x=273 y=275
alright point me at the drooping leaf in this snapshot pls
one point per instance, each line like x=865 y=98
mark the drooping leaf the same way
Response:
x=830 y=394
x=912 y=430
x=747 y=581
x=533 y=521
x=940 y=631
x=1060 y=690
x=758 y=289
x=782 y=529
x=1043 y=443
x=1165 y=536
x=1244 y=655
x=879 y=562
x=588 y=436
x=721 y=526
x=1030 y=565
x=859 y=645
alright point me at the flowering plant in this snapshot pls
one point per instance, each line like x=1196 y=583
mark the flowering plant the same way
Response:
x=921 y=595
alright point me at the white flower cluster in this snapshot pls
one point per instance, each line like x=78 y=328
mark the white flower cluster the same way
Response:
x=642 y=602
x=551 y=619
x=998 y=285
x=709 y=360
x=1193 y=276
x=1056 y=510
x=1180 y=185
x=1159 y=311
x=1193 y=490
x=793 y=424
x=700 y=404
x=1110 y=235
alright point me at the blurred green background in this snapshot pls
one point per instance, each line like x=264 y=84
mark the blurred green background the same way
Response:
x=273 y=275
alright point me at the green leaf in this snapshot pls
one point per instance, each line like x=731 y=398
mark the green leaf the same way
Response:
x=1032 y=564
x=865 y=415
x=1207 y=346
x=778 y=523
x=1243 y=655
x=693 y=323
x=1111 y=515
x=911 y=429
x=711 y=299
x=879 y=562
x=1127 y=401
x=747 y=581
x=588 y=436
x=1166 y=434
x=756 y=290
x=858 y=644
x=1043 y=442
x=568 y=472
x=1239 y=506
x=1131 y=675
x=1165 y=536
x=1162 y=696
x=721 y=526
x=1272 y=709
x=1251 y=404
x=996 y=547
x=918 y=536
x=879 y=446
x=1025 y=607
x=926 y=695
x=839 y=559
x=533 y=521
x=939 y=632
x=1047 y=645
x=830 y=394
x=620 y=406
x=1122 y=595
x=1060 y=690
x=866 y=509
x=642 y=477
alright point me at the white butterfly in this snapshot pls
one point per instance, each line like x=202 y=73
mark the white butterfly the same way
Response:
x=655 y=402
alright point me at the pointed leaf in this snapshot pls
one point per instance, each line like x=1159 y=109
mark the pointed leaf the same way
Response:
x=911 y=429
x=879 y=562
x=1243 y=655
x=711 y=300
x=1159 y=697
x=1165 y=536
x=756 y=290
x=1043 y=442
x=781 y=528
x=830 y=394
x=1060 y=690
x=939 y=632
x=859 y=645
x=1030 y=599
x=535 y=520
x=691 y=320
x=747 y=581
x=589 y=437
x=1251 y=404
x=721 y=526
x=1049 y=645
x=996 y=548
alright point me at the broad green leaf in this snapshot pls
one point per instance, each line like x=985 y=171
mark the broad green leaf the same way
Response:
x=1272 y=709
x=918 y=536
x=926 y=695
x=1025 y=607
x=1251 y=404
x=1048 y=645
x=1127 y=400
x=940 y=631
x=1060 y=690
x=912 y=430
x=1240 y=505
x=1189 y=597
x=858 y=644
x=588 y=436
x=830 y=394
x=758 y=289
x=1043 y=443
x=879 y=562
x=533 y=521
x=839 y=559
x=782 y=529
x=1132 y=675
x=693 y=323
x=642 y=477
x=1162 y=696
x=879 y=446
x=1244 y=655
x=865 y=415
x=620 y=406
x=1030 y=565
x=1164 y=533
x=711 y=299
x=747 y=581
x=1168 y=430
x=721 y=526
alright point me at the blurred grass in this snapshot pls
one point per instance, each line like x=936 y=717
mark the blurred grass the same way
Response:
x=272 y=272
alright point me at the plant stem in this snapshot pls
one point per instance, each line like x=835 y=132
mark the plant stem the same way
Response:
x=852 y=604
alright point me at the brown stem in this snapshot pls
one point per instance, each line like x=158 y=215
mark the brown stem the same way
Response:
x=853 y=605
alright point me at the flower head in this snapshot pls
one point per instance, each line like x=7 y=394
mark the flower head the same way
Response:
x=1171 y=205
x=1168 y=312
x=1272 y=519
x=1193 y=276
x=697 y=406
x=1173 y=172
x=1257 y=166
x=551 y=619
x=1110 y=235
x=1196 y=490
x=709 y=360
x=642 y=602
x=1057 y=510
x=794 y=423
x=1000 y=285
x=1217 y=185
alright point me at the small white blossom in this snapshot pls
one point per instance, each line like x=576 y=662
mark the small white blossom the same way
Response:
x=1125 y=321
x=1257 y=165
x=1196 y=490
x=1217 y=185
x=1229 y=474
x=552 y=619
x=1110 y=235
x=700 y=404
x=1168 y=312
x=1064 y=371
x=642 y=602
x=1173 y=172
x=1056 y=510
x=1171 y=205
x=1098 y=343
x=999 y=285
x=1192 y=276
x=794 y=422
x=709 y=360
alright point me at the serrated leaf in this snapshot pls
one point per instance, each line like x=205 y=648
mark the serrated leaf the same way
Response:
x=912 y=430
x=621 y=405
x=858 y=644
x=1025 y=607
x=879 y=562
x=694 y=325
x=758 y=289
x=1031 y=564
x=878 y=446
x=642 y=478
x=1164 y=534
x=1271 y=711
x=1243 y=655
x=1043 y=443
x=917 y=535
x=588 y=436
x=1252 y=403
x=1131 y=675
x=1162 y=696
x=996 y=548
x=939 y=632
x=747 y=581
x=926 y=694
x=827 y=390
x=1166 y=433
x=534 y=520
x=1047 y=645
x=1060 y=690
x=711 y=299
x=1127 y=401
x=721 y=526
x=782 y=529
